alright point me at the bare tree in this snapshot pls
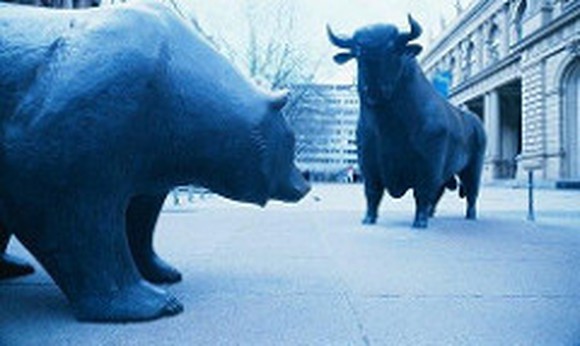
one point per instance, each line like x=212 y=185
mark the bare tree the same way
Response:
x=267 y=47
x=306 y=111
x=266 y=44
x=273 y=55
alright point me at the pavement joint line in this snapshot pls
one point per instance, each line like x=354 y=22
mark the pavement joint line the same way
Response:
x=470 y=296
x=360 y=325
x=269 y=295
x=346 y=295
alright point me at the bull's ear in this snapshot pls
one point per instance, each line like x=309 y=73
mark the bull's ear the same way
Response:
x=413 y=49
x=342 y=58
x=279 y=100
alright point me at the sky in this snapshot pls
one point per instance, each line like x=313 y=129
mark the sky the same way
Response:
x=226 y=20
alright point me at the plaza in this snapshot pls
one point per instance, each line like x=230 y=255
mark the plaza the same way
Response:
x=311 y=274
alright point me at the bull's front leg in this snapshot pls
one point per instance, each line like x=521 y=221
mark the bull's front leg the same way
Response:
x=142 y=215
x=374 y=192
x=370 y=166
x=425 y=197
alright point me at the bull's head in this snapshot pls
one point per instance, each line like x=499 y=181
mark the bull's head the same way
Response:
x=382 y=53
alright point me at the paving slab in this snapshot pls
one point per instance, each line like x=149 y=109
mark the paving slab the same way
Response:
x=311 y=274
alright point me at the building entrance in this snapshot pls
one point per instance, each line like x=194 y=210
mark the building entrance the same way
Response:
x=510 y=129
x=571 y=107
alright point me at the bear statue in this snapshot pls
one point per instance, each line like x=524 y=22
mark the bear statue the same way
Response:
x=102 y=112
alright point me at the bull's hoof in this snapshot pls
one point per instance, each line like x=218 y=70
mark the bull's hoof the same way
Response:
x=420 y=223
x=12 y=267
x=431 y=212
x=139 y=302
x=471 y=215
x=369 y=220
x=157 y=271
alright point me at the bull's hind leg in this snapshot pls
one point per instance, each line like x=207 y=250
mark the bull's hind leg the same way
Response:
x=374 y=192
x=451 y=184
x=470 y=182
x=433 y=207
x=142 y=216
x=82 y=244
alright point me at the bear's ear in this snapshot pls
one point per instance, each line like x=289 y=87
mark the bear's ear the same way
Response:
x=279 y=100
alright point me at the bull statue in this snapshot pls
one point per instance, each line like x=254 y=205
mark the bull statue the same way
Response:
x=103 y=112
x=408 y=135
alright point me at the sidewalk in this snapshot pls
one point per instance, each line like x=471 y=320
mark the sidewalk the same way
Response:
x=310 y=274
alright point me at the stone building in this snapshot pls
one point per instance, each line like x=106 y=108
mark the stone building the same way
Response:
x=324 y=118
x=516 y=63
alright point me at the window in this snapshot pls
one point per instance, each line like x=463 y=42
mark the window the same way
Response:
x=518 y=19
x=493 y=44
x=452 y=67
x=469 y=60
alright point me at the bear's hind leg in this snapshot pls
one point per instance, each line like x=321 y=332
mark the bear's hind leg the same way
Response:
x=142 y=215
x=83 y=246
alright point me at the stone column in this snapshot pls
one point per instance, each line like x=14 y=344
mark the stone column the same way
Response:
x=491 y=110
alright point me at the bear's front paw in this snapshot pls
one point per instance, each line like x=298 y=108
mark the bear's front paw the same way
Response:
x=138 y=302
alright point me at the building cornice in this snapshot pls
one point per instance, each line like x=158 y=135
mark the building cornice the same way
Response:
x=447 y=35
x=486 y=73
x=571 y=14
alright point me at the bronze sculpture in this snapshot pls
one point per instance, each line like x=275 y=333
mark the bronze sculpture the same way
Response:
x=408 y=135
x=104 y=111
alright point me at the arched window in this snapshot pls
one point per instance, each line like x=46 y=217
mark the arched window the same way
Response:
x=519 y=18
x=469 y=61
x=452 y=69
x=493 y=44
x=571 y=119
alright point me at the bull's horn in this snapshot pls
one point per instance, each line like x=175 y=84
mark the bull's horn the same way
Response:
x=338 y=41
x=416 y=31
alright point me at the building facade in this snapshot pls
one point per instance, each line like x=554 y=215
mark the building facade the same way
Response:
x=516 y=63
x=324 y=118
